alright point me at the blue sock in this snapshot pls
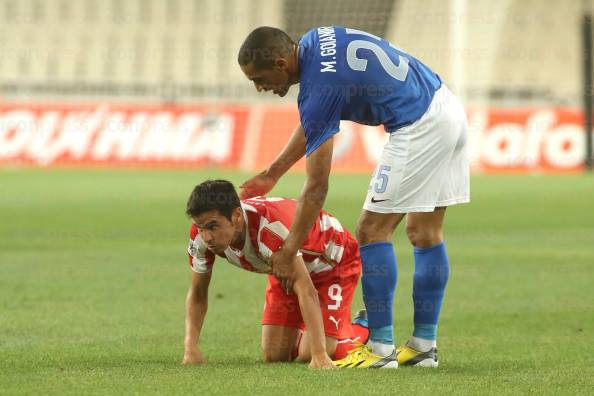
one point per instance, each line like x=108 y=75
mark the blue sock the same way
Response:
x=379 y=284
x=429 y=282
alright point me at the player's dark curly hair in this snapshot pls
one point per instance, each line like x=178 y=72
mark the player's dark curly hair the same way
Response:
x=213 y=195
x=263 y=45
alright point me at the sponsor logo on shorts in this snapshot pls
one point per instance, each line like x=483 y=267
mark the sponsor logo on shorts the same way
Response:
x=373 y=200
x=333 y=320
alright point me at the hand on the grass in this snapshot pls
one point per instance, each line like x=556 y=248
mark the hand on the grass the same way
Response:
x=261 y=184
x=193 y=356
x=321 y=362
x=281 y=263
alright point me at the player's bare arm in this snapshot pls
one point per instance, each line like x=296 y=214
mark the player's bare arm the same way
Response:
x=309 y=305
x=196 y=307
x=262 y=183
x=310 y=203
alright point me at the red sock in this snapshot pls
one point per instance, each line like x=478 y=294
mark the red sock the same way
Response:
x=342 y=348
x=361 y=332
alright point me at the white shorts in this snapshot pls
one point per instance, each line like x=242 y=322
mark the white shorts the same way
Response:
x=424 y=165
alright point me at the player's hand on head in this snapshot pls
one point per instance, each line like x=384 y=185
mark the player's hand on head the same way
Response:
x=261 y=184
x=193 y=356
x=321 y=362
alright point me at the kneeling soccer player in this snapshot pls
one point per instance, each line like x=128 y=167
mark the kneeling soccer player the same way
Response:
x=311 y=324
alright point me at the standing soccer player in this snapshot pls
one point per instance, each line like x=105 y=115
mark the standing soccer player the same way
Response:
x=347 y=74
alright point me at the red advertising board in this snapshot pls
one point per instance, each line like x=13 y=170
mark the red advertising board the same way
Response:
x=250 y=137
x=526 y=140
x=122 y=135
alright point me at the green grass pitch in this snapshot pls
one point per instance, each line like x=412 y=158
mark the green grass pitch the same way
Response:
x=93 y=276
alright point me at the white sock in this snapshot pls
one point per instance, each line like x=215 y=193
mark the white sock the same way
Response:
x=381 y=349
x=421 y=344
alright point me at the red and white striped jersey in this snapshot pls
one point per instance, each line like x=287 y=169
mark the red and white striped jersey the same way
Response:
x=268 y=223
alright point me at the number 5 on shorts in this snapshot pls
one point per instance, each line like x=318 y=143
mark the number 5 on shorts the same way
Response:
x=382 y=179
x=335 y=294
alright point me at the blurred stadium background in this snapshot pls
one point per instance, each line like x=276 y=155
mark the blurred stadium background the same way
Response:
x=153 y=81
x=111 y=111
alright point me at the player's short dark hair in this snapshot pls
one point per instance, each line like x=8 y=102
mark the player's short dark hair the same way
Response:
x=263 y=45
x=213 y=195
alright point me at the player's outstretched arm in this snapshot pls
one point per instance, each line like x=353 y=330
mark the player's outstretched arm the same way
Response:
x=310 y=203
x=196 y=307
x=262 y=183
x=309 y=304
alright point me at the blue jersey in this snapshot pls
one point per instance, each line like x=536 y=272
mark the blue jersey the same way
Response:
x=348 y=74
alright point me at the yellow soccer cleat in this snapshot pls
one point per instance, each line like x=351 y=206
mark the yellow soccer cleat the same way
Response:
x=408 y=356
x=362 y=357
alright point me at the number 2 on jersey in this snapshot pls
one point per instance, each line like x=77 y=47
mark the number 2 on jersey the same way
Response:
x=397 y=72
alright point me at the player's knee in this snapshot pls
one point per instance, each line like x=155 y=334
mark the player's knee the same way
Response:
x=366 y=233
x=423 y=237
x=360 y=232
x=360 y=235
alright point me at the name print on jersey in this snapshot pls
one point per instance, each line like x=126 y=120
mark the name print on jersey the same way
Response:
x=327 y=48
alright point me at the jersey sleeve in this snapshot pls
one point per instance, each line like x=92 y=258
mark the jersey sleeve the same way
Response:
x=319 y=112
x=201 y=259
x=269 y=242
x=273 y=232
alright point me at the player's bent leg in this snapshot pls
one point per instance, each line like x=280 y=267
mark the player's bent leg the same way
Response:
x=279 y=343
x=425 y=232
x=281 y=323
